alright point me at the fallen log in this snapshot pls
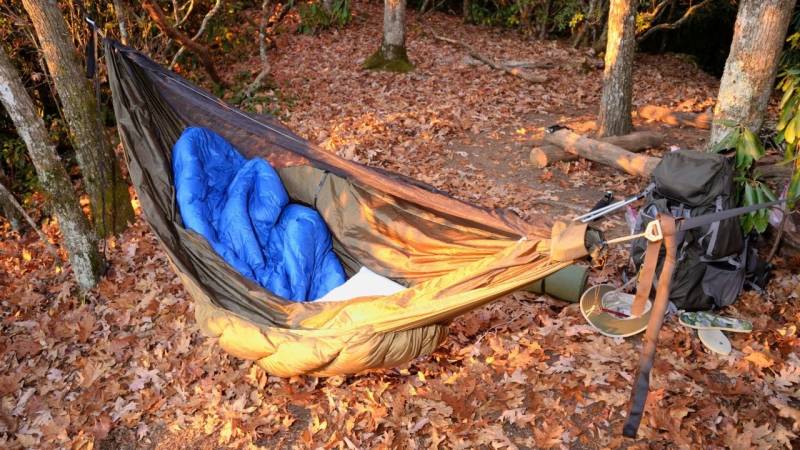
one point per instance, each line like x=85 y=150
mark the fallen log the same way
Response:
x=543 y=155
x=676 y=118
x=643 y=165
x=603 y=152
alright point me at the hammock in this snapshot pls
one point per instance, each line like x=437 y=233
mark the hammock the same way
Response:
x=451 y=256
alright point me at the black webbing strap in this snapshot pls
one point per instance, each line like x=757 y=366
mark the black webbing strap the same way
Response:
x=91 y=52
x=708 y=219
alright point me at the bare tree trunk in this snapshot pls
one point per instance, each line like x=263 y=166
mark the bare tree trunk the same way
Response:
x=615 y=104
x=752 y=64
x=107 y=189
x=78 y=237
x=465 y=10
x=327 y=5
x=392 y=55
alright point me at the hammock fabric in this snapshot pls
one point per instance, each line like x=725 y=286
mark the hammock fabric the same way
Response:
x=451 y=255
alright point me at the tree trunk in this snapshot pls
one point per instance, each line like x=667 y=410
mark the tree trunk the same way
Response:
x=327 y=5
x=77 y=235
x=615 y=104
x=392 y=55
x=752 y=64
x=107 y=189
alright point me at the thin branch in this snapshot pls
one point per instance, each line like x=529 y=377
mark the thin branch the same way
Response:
x=50 y=249
x=190 y=5
x=202 y=52
x=509 y=70
x=677 y=24
x=262 y=50
x=203 y=25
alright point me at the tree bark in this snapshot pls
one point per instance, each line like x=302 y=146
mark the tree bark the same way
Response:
x=615 y=104
x=107 y=189
x=546 y=154
x=392 y=54
x=675 y=118
x=77 y=235
x=752 y=64
x=604 y=153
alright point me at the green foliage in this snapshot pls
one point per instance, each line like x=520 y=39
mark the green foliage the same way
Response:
x=314 y=18
x=789 y=128
x=565 y=14
x=750 y=190
x=569 y=14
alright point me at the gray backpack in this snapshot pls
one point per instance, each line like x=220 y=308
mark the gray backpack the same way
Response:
x=712 y=260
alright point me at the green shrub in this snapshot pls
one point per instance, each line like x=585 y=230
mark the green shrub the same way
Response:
x=314 y=18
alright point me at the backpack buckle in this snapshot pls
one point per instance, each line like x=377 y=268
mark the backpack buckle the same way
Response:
x=652 y=233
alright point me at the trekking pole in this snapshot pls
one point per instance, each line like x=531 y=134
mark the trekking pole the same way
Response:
x=596 y=214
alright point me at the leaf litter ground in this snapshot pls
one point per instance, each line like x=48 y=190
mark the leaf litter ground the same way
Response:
x=127 y=367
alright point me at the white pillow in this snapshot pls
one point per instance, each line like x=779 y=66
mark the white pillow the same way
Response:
x=364 y=283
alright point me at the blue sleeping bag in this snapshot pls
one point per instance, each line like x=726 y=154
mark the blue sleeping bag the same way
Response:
x=241 y=207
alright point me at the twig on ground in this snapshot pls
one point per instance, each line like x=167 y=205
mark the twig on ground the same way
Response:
x=50 y=249
x=515 y=71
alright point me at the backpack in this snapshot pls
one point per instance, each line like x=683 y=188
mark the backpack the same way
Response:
x=713 y=260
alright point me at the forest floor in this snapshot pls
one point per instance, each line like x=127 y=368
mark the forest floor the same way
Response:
x=127 y=367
